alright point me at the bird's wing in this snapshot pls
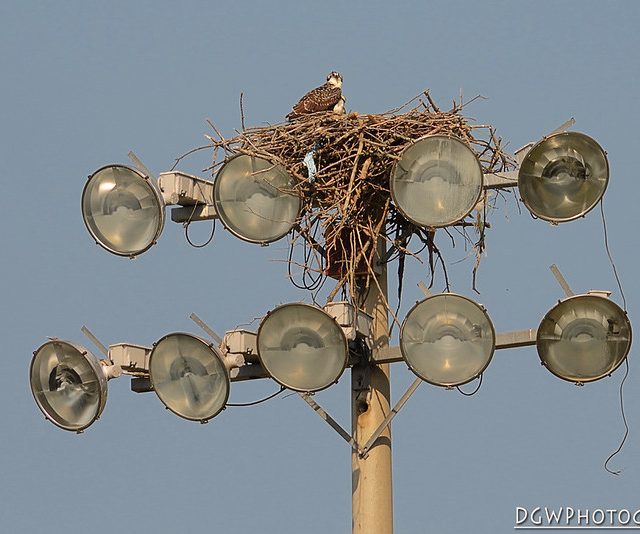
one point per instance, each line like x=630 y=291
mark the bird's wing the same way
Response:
x=321 y=98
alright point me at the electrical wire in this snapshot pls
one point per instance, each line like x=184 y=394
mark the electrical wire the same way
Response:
x=624 y=421
x=253 y=403
x=308 y=282
x=194 y=245
x=613 y=265
x=626 y=361
x=471 y=393
x=401 y=265
x=310 y=255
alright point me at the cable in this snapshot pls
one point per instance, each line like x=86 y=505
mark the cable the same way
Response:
x=186 y=235
x=308 y=281
x=282 y=388
x=613 y=265
x=626 y=361
x=311 y=254
x=624 y=420
x=401 y=265
x=474 y=391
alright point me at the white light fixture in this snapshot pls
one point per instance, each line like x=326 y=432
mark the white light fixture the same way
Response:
x=563 y=176
x=437 y=181
x=123 y=210
x=584 y=338
x=254 y=199
x=189 y=376
x=69 y=384
x=447 y=339
x=302 y=348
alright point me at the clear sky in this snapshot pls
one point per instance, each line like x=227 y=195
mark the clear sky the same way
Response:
x=85 y=82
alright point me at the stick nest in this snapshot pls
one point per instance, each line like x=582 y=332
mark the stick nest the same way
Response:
x=347 y=210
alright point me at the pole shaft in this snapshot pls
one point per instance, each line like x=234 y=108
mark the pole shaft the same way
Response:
x=371 y=485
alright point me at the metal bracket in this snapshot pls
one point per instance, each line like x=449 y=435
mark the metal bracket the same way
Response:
x=425 y=290
x=137 y=163
x=515 y=339
x=563 y=127
x=95 y=341
x=387 y=420
x=197 y=212
x=331 y=422
x=504 y=340
x=251 y=371
x=206 y=328
x=180 y=188
x=362 y=451
x=561 y=280
x=501 y=180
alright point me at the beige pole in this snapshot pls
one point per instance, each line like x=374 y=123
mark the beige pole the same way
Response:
x=371 y=487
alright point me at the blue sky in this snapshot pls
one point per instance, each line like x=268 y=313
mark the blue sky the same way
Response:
x=85 y=82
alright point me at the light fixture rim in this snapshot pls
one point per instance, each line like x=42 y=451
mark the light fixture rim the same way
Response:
x=456 y=295
x=219 y=211
x=156 y=192
x=94 y=362
x=395 y=165
x=616 y=306
x=593 y=205
x=335 y=322
x=216 y=352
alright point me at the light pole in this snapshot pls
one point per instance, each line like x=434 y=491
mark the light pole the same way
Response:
x=371 y=482
x=414 y=173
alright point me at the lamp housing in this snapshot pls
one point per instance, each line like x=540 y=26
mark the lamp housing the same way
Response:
x=254 y=199
x=447 y=339
x=437 y=181
x=69 y=384
x=302 y=347
x=563 y=176
x=584 y=338
x=123 y=210
x=189 y=376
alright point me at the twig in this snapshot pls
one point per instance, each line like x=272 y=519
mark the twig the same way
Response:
x=347 y=209
x=241 y=111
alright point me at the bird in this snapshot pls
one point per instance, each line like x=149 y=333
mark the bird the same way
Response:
x=327 y=97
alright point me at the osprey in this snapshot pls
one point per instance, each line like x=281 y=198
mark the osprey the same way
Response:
x=327 y=97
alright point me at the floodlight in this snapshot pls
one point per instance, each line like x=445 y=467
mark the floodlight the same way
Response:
x=189 y=376
x=123 y=210
x=447 y=339
x=584 y=338
x=563 y=176
x=301 y=347
x=68 y=384
x=254 y=199
x=437 y=181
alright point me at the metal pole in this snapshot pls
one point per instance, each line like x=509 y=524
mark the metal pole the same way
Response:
x=371 y=487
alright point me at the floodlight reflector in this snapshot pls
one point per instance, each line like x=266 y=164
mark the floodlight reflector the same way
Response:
x=68 y=384
x=254 y=199
x=189 y=376
x=123 y=210
x=437 y=181
x=563 y=176
x=447 y=339
x=584 y=338
x=302 y=347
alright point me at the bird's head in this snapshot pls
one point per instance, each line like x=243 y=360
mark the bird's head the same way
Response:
x=335 y=78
